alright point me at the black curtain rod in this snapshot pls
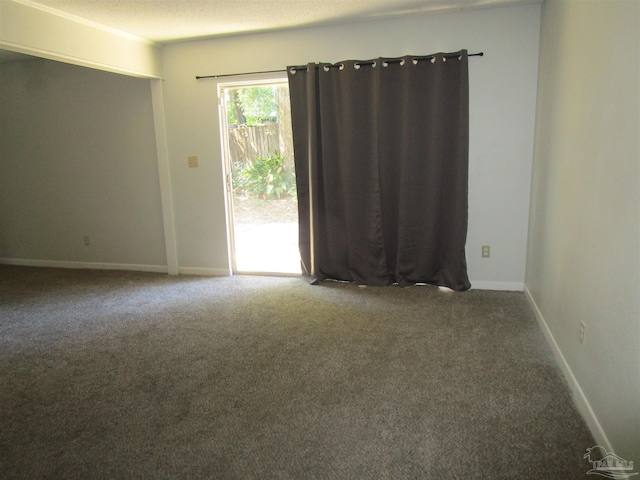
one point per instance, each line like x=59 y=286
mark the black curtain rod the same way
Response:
x=199 y=77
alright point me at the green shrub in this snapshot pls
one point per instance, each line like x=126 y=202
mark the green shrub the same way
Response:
x=238 y=178
x=269 y=178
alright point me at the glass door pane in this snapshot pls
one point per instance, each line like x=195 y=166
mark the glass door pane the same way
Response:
x=261 y=178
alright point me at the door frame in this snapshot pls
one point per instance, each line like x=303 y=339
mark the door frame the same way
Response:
x=237 y=81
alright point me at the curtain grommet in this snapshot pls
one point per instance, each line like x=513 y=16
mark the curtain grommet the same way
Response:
x=386 y=63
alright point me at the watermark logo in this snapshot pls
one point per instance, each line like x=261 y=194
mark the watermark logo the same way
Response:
x=608 y=464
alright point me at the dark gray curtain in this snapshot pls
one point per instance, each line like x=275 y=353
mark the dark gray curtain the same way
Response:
x=381 y=156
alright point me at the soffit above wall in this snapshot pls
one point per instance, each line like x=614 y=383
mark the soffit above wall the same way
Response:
x=28 y=29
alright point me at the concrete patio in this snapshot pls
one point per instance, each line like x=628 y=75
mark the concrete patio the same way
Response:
x=267 y=248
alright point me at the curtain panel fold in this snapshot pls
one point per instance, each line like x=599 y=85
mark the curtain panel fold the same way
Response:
x=381 y=155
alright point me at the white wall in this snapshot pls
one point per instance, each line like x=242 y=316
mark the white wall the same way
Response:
x=503 y=90
x=78 y=157
x=583 y=260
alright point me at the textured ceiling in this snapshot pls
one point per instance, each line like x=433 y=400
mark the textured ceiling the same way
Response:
x=166 y=21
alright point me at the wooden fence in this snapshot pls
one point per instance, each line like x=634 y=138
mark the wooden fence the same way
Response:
x=246 y=143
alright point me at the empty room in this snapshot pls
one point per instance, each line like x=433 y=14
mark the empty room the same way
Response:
x=458 y=181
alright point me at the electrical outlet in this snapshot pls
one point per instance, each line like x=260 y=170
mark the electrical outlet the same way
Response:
x=486 y=251
x=582 y=327
x=87 y=242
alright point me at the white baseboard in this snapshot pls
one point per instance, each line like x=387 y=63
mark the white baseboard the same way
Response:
x=83 y=265
x=209 y=272
x=205 y=272
x=579 y=398
x=485 y=285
